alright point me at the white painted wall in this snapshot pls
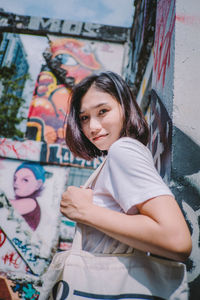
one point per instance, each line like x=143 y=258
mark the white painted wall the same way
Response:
x=186 y=111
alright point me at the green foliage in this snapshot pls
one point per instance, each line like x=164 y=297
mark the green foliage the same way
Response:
x=10 y=103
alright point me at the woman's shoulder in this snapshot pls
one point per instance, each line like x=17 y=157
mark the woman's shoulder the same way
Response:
x=127 y=144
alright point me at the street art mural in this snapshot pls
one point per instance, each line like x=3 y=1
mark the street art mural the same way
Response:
x=29 y=218
x=67 y=62
x=16 y=289
x=55 y=64
x=185 y=184
x=182 y=155
x=27 y=247
x=183 y=176
x=160 y=136
x=165 y=22
x=28 y=182
x=58 y=154
x=35 y=171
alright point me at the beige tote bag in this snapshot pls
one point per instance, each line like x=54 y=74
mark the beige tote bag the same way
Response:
x=77 y=274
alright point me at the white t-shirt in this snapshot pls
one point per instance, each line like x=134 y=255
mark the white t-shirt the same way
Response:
x=128 y=177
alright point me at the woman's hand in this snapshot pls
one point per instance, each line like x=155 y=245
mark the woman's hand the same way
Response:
x=75 y=202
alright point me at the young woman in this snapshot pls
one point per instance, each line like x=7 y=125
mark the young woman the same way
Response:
x=129 y=206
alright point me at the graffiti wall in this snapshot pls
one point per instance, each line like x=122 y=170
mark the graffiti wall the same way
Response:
x=66 y=62
x=168 y=94
x=186 y=144
x=35 y=170
x=29 y=218
x=176 y=65
x=160 y=136
x=164 y=47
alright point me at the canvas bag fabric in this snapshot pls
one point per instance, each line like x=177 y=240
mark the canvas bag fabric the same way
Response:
x=77 y=274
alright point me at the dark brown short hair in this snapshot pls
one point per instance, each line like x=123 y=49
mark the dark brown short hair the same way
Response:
x=134 y=126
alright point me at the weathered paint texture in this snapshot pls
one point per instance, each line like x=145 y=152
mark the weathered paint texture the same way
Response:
x=160 y=136
x=67 y=62
x=164 y=47
x=175 y=79
x=35 y=171
x=142 y=37
x=186 y=186
x=165 y=23
x=186 y=140
x=43 y=152
x=38 y=25
x=61 y=62
x=173 y=111
x=19 y=188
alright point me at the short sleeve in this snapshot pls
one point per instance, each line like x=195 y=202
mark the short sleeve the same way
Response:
x=132 y=175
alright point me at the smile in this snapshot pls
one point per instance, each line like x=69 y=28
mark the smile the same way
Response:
x=97 y=138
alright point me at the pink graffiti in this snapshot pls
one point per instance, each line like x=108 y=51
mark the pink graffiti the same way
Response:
x=106 y=48
x=188 y=20
x=12 y=258
x=2 y=238
x=20 y=150
x=163 y=37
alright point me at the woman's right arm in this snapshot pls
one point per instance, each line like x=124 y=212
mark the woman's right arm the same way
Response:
x=159 y=228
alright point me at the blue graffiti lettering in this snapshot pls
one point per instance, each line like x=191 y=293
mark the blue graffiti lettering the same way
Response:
x=25 y=249
x=30 y=292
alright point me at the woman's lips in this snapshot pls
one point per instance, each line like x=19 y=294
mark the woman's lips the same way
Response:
x=96 y=138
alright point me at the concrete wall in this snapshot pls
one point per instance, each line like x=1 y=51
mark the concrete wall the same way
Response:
x=175 y=79
x=171 y=102
x=186 y=126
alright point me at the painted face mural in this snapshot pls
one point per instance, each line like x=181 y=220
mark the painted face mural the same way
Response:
x=67 y=62
x=27 y=183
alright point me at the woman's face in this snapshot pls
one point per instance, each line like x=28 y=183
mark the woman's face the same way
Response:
x=25 y=183
x=101 y=118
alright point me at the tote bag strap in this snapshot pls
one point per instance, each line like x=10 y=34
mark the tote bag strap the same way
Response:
x=77 y=241
x=94 y=175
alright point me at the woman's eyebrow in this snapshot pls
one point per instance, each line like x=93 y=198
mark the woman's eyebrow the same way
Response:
x=93 y=107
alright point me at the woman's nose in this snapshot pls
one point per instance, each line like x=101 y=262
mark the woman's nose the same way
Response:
x=95 y=125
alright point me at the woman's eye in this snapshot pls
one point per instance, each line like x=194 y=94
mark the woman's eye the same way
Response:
x=83 y=118
x=102 y=111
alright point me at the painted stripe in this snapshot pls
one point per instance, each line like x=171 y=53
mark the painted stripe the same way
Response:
x=120 y=296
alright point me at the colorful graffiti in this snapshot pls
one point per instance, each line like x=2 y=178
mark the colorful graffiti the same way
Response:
x=31 y=227
x=28 y=181
x=16 y=289
x=177 y=161
x=60 y=154
x=161 y=136
x=165 y=22
x=34 y=151
x=24 y=219
x=188 y=20
x=185 y=185
x=67 y=62
x=26 y=251
x=24 y=150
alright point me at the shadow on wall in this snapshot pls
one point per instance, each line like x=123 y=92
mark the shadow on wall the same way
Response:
x=186 y=188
